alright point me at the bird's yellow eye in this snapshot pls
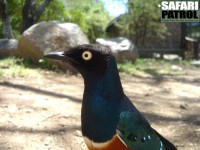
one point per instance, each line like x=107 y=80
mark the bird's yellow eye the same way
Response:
x=87 y=55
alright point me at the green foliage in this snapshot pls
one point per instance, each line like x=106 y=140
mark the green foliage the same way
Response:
x=153 y=67
x=1 y=33
x=55 y=11
x=27 y=63
x=88 y=14
x=127 y=67
x=142 y=21
x=15 y=15
x=10 y=67
x=14 y=11
x=193 y=31
x=20 y=67
x=44 y=64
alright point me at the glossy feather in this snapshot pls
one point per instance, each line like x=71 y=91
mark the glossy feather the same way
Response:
x=105 y=106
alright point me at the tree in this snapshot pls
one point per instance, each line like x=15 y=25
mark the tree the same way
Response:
x=90 y=15
x=6 y=25
x=31 y=13
x=54 y=11
x=142 y=22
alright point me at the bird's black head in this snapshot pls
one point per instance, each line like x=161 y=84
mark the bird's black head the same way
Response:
x=87 y=59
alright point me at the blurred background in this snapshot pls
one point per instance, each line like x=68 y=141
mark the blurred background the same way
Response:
x=123 y=25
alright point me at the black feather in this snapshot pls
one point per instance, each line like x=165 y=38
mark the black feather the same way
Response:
x=168 y=145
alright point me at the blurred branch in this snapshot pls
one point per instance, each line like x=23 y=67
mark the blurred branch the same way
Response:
x=7 y=29
x=41 y=8
x=31 y=13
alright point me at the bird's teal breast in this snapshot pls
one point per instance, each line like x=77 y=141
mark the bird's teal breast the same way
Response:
x=99 y=118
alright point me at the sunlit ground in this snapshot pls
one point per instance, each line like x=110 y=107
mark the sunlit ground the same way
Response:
x=41 y=109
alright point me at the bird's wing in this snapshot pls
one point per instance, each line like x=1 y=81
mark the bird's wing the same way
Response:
x=136 y=133
x=168 y=145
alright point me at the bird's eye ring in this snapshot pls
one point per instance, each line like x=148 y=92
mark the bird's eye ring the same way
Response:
x=87 y=55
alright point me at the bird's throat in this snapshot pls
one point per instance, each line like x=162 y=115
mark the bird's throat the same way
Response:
x=101 y=99
x=108 y=84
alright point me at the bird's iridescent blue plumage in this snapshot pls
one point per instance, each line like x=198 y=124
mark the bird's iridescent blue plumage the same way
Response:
x=103 y=99
x=103 y=102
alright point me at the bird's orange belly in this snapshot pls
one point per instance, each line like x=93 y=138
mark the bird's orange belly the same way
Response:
x=114 y=144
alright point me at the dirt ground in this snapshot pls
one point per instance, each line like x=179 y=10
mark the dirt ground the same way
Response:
x=42 y=112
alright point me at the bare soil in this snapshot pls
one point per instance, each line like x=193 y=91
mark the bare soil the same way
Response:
x=42 y=112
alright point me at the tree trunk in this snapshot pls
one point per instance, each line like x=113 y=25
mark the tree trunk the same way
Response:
x=7 y=29
x=183 y=35
x=183 y=41
x=31 y=14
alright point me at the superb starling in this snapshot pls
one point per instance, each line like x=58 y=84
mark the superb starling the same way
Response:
x=109 y=120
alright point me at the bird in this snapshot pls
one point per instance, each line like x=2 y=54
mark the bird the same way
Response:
x=109 y=120
x=137 y=133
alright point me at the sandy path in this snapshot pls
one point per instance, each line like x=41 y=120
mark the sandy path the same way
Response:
x=43 y=112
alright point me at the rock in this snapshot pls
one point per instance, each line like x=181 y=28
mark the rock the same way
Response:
x=196 y=63
x=122 y=48
x=183 y=106
x=172 y=57
x=44 y=37
x=8 y=47
x=176 y=68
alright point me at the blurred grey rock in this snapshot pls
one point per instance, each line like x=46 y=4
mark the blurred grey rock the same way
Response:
x=46 y=37
x=122 y=48
x=8 y=47
x=196 y=62
x=176 y=68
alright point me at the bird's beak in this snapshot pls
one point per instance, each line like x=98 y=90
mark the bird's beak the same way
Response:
x=61 y=56
x=57 y=56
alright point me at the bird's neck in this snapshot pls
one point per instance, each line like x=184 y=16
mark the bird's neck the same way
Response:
x=101 y=99
x=107 y=85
